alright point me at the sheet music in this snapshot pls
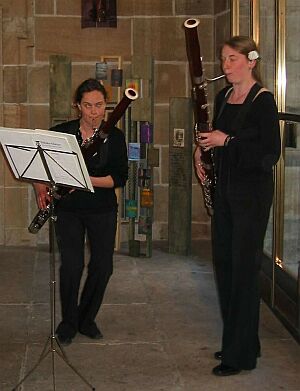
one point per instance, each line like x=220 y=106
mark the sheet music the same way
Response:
x=61 y=151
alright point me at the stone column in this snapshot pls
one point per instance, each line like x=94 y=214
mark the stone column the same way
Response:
x=180 y=175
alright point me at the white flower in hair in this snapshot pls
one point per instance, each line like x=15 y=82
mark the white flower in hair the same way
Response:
x=253 y=55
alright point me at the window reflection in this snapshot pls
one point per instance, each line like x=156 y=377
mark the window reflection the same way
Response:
x=244 y=24
x=267 y=43
x=291 y=241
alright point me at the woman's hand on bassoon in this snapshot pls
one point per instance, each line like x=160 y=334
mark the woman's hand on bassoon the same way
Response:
x=42 y=195
x=213 y=139
x=198 y=164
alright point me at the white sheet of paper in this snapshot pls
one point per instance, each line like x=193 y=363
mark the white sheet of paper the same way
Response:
x=61 y=151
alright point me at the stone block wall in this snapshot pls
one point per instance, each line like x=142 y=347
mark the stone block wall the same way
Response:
x=32 y=30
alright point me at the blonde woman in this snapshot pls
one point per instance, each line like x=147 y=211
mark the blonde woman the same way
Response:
x=246 y=144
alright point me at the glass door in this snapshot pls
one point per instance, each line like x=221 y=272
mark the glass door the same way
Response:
x=275 y=26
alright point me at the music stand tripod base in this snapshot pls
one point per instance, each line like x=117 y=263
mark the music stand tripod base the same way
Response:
x=52 y=344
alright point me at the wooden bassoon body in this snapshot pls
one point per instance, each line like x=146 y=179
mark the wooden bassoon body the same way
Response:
x=200 y=107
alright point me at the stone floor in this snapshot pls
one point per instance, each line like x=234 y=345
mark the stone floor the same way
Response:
x=161 y=325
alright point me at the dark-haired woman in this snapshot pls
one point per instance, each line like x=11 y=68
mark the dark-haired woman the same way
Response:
x=246 y=143
x=82 y=215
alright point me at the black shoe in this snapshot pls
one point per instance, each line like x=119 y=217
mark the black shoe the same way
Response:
x=218 y=355
x=64 y=340
x=225 y=370
x=92 y=332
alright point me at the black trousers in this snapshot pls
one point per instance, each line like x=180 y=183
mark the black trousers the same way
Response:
x=71 y=229
x=238 y=229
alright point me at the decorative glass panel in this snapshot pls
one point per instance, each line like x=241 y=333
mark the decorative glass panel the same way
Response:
x=245 y=18
x=267 y=44
x=291 y=233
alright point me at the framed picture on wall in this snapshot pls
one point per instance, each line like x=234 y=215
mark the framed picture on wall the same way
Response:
x=98 y=13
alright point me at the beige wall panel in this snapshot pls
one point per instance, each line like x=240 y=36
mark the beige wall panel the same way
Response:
x=126 y=70
x=222 y=31
x=16 y=204
x=2 y=165
x=194 y=7
x=9 y=178
x=221 y=6
x=161 y=125
x=148 y=32
x=1 y=68
x=164 y=164
x=1 y=115
x=38 y=117
x=156 y=175
x=19 y=237
x=160 y=230
x=38 y=84
x=15 y=116
x=11 y=49
x=17 y=37
x=14 y=8
x=28 y=49
x=161 y=197
x=82 y=72
x=68 y=7
x=2 y=223
x=65 y=36
x=33 y=208
x=145 y=7
x=169 y=82
x=15 y=84
x=44 y=7
x=201 y=230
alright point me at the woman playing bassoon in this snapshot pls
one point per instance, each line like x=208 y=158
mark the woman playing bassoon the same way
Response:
x=246 y=142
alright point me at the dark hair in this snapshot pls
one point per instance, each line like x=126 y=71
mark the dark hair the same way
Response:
x=88 y=85
x=244 y=45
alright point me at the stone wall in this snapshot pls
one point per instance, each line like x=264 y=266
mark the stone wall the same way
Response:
x=32 y=30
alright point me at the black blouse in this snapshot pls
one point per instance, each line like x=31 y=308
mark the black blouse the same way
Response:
x=111 y=159
x=255 y=149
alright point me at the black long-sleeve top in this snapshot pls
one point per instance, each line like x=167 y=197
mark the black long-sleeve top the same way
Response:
x=248 y=159
x=111 y=159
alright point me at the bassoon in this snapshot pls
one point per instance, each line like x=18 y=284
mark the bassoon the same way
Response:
x=88 y=148
x=200 y=108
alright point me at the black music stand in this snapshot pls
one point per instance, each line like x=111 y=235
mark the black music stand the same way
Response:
x=47 y=157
